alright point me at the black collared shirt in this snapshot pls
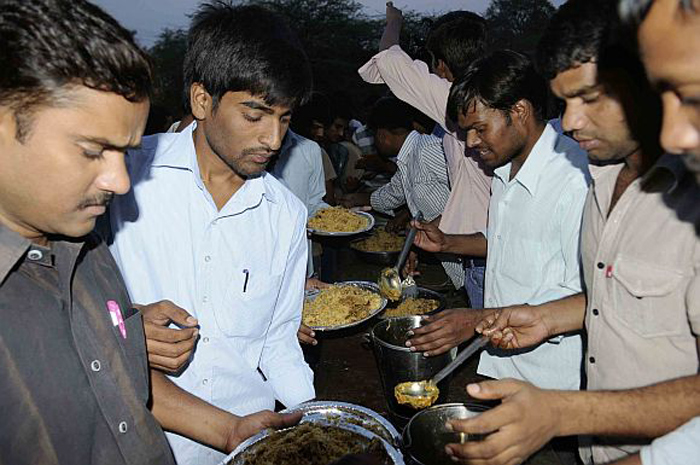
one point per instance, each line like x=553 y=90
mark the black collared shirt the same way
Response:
x=73 y=385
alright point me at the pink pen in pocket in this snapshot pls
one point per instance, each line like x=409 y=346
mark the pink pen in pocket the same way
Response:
x=116 y=314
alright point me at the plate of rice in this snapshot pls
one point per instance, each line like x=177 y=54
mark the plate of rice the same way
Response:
x=342 y=305
x=339 y=221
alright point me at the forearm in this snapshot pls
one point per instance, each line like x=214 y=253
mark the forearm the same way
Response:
x=180 y=412
x=565 y=315
x=473 y=245
x=646 y=412
x=391 y=35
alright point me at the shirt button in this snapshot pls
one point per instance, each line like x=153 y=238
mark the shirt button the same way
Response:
x=595 y=311
x=205 y=299
x=205 y=339
x=207 y=258
x=600 y=265
x=123 y=427
x=35 y=255
x=95 y=365
x=205 y=381
x=591 y=359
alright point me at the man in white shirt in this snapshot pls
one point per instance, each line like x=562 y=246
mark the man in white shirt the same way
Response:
x=206 y=228
x=538 y=191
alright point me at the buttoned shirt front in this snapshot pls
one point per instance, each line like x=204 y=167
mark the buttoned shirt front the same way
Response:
x=641 y=265
x=534 y=255
x=411 y=81
x=239 y=270
x=74 y=385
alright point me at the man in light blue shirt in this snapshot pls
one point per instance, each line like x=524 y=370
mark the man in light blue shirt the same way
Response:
x=532 y=242
x=206 y=228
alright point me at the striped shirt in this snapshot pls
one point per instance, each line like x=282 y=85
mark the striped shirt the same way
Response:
x=421 y=183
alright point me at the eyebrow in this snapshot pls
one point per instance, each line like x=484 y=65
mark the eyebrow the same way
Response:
x=584 y=90
x=108 y=145
x=253 y=105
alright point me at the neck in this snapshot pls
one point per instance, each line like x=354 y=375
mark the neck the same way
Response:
x=641 y=160
x=534 y=134
x=23 y=230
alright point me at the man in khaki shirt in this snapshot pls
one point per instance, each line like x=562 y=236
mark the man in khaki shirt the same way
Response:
x=640 y=253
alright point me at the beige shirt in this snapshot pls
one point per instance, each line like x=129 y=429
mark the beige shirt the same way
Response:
x=466 y=210
x=641 y=270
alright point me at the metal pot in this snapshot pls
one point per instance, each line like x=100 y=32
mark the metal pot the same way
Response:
x=397 y=364
x=425 y=436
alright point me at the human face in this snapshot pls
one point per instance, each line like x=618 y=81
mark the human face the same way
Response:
x=245 y=132
x=492 y=135
x=336 y=131
x=62 y=175
x=594 y=114
x=669 y=40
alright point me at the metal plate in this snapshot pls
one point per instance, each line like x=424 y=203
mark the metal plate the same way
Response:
x=379 y=258
x=237 y=456
x=370 y=225
x=345 y=412
x=361 y=284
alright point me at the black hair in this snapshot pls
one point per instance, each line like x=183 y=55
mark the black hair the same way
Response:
x=316 y=108
x=499 y=81
x=246 y=48
x=633 y=12
x=457 y=38
x=50 y=45
x=392 y=114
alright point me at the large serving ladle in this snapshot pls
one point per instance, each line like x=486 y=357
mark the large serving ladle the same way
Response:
x=422 y=394
x=390 y=284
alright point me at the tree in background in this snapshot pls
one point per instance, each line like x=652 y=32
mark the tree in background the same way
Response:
x=518 y=24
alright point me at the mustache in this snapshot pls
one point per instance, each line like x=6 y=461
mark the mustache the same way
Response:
x=259 y=151
x=101 y=200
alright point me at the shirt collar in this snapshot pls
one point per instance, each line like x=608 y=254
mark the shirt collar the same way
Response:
x=12 y=248
x=666 y=173
x=407 y=147
x=529 y=174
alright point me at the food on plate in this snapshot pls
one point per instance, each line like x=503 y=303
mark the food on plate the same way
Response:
x=312 y=444
x=338 y=220
x=411 y=306
x=381 y=241
x=339 y=305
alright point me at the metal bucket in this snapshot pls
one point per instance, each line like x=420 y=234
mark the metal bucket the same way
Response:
x=397 y=364
x=425 y=436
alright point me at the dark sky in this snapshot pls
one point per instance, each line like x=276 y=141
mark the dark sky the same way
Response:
x=149 y=17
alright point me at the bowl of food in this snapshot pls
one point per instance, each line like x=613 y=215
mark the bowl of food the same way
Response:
x=342 y=305
x=381 y=248
x=427 y=303
x=339 y=221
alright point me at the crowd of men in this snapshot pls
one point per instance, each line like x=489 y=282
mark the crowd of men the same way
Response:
x=152 y=287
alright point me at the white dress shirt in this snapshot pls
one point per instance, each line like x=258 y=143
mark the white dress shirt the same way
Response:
x=534 y=254
x=679 y=447
x=239 y=270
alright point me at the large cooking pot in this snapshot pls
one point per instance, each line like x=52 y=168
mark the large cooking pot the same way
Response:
x=397 y=364
x=424 y=437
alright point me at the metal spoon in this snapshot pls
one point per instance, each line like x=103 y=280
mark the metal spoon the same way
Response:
x=421 y=394
x=390 y=285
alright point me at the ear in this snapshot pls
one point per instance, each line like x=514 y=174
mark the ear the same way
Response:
x=521 y=111
x=200 y=101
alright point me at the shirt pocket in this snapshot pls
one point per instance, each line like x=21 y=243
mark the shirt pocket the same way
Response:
x=649 y=299
x=248 y=307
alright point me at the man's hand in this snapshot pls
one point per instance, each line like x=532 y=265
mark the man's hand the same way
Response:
x=247 y=426
x=393 y=14
x=515 y=327
x=169 y=349
x=399 y=222
x=429 y=237
x=306 y=335
x=445 y=330
x=524 y=422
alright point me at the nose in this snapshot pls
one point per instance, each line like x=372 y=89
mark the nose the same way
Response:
x=472 y=139
x=574 y=118
x=273 y=135
x=678 y=133
x=114 y=176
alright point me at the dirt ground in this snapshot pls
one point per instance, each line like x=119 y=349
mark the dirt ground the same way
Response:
x=345 y=368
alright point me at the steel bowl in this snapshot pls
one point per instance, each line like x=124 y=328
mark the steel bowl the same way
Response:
x=423 y=293
x=370 y=286
x=425 y=436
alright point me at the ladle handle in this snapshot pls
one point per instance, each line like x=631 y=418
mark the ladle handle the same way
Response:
x=468 y=351
x=410 y=237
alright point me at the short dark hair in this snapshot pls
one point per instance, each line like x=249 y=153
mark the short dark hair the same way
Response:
x=246 y=48
x=457 y=38
x=316 y=108
x=499 y=81
x=50 y=45
x=577 y=34
x=391 y=114
x=633 y=12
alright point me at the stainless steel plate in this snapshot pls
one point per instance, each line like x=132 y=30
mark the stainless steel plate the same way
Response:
x=370 y=286
x=370 y=225
x=344 y=412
